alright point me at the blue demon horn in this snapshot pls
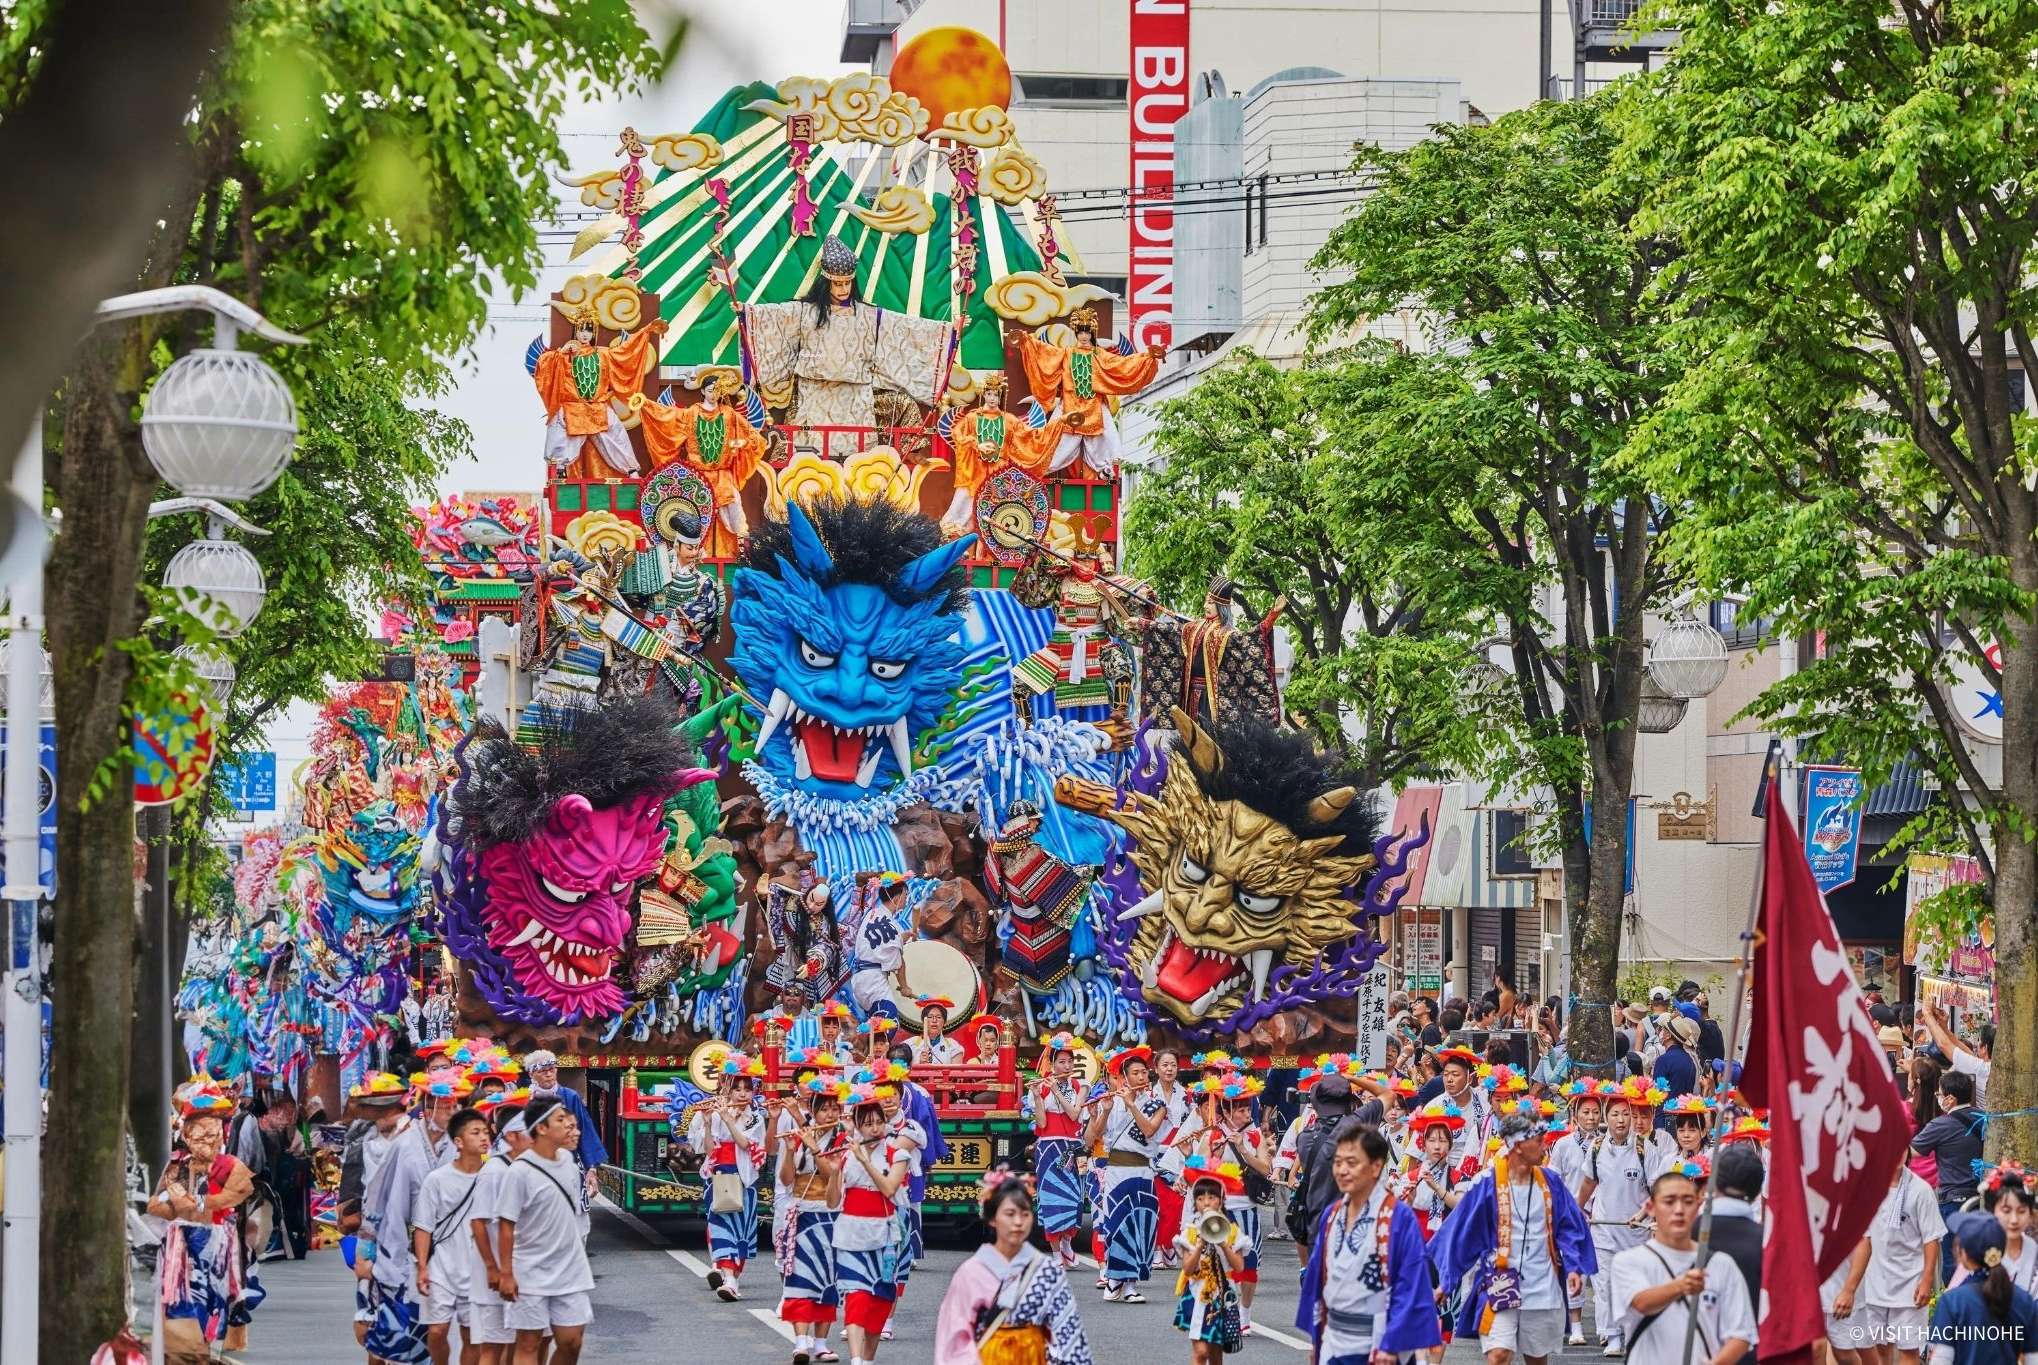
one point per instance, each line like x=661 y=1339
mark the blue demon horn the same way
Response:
x=923 y=575
x=808 y=551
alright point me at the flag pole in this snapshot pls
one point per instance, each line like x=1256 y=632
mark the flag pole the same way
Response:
x=1771 y=772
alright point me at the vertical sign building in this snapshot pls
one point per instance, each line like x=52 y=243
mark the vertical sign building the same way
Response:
x=1160 y=95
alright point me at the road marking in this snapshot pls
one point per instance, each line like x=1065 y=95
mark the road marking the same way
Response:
x=1260 y=1329
x=771 y=1320
x=652 y=1235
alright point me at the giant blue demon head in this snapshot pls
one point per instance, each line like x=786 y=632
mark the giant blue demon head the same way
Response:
x=846 y=619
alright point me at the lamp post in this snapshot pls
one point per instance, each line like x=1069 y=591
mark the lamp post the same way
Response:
x=219 y=425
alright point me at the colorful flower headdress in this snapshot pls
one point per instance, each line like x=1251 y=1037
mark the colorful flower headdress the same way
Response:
x=736 y=1064
x=1120 y=1059
x=1747 y=1128
x=1437 y=1113
x=1503 y=1080
x=378 y=1085
x=1691 y=1104
x=204 y=1098
x=1227 y=1177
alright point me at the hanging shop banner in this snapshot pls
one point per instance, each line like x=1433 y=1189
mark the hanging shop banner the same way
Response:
x=1160 y=95
x=1832 y=824
x=1372 y=1018
x=1926 y=875
x=1967 y=1005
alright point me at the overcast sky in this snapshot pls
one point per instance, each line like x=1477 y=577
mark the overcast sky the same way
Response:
x=731 y=42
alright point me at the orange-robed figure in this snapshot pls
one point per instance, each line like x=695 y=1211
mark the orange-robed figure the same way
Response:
x=1072 y=384
x=987 y=439
x=712 y=438
x=580 y=383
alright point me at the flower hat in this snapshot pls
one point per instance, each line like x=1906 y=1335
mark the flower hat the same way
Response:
x=1227 y=1176
x=1438 y=1113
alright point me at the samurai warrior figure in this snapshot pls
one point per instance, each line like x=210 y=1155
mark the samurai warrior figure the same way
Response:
x=834 y=350
x=1210 y=667
x=686 y=604
x=583 y=385
x=601 y=648
x=712 y=439
x=1080 y=665
x=1039 y=895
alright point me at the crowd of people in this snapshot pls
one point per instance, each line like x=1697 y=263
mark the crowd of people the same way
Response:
x=1461 y=1191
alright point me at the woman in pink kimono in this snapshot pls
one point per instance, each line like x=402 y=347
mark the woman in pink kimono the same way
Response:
x=1010 y=1303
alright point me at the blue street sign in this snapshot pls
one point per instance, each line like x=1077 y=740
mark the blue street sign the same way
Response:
x=1832 y=824
x=45 y=803
x=251 y=783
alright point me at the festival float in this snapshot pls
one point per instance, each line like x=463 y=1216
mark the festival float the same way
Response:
x=823 y=644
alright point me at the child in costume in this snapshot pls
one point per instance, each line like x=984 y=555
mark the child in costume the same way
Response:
x=1615 y=1194
x=874 y=1177
x=1206 y=1302
x=729 y=1136
x=1128 y=1124
x=1058 y=1145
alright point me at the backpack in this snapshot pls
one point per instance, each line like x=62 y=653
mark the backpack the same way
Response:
x=1305 y=1207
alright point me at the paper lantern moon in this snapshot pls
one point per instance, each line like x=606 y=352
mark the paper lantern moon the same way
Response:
x=951 y=69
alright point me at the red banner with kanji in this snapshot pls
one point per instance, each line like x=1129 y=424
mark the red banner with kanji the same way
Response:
x=1837 y=1122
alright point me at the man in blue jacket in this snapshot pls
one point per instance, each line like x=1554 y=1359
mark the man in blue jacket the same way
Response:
x=1527 y=1244
x=542 y=1069
x=1366 y=1289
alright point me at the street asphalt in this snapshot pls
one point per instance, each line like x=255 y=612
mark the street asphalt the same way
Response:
x=652 y=1304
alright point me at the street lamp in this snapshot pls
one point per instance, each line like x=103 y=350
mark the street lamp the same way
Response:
x=218 y=425
x=1689 y=659
x=1659 y=713
x=213 y=668
x=220 y=580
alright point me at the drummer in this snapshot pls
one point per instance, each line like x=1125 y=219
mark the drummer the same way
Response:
x=934 y=1046
x=877 y=942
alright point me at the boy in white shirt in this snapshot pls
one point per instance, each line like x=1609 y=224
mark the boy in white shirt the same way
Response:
x=1659 y=1289
x=1898 y=1285
x=492 y=1340
x=1613 y=1197
x=442 y=1246
x=541 y=1262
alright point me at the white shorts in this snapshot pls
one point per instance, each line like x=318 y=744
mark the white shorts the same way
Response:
x=1849 y=1333
x=444 y=1306
x=485 y=1326
x=1526 y=1331
x=1903 y=1328
x=540 y=1312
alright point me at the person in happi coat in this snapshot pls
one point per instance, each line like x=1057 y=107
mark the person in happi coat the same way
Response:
x=1525 y=1242
x=1128 y=1124
x=728 y=1135
x=1366 y=1290
x=1058 y=1121
x=209 y=1291
x=810 y=1170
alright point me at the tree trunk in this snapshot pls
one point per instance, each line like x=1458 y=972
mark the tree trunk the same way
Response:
x=2013 y=1075
x=103 y=485
x=1595 y=936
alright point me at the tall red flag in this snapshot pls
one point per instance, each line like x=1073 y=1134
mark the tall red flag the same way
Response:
x=1837 y=1122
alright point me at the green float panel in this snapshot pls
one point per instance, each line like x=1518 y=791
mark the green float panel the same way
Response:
x=567 y=497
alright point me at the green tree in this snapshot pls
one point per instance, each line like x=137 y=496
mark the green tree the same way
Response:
x=1851 y=184
x=363 y=173
x=1498 y=449
x=1242 y=492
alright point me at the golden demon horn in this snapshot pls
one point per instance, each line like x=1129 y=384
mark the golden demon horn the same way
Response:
x=1204 y=755
x=1331 y=804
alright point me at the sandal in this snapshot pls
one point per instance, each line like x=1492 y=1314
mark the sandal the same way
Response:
x=1132 y=1296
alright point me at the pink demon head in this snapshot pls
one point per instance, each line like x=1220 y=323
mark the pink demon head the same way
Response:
x=549 y=844
x=559 y=903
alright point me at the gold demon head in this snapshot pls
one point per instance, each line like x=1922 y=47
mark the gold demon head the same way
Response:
x=1246 y=854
